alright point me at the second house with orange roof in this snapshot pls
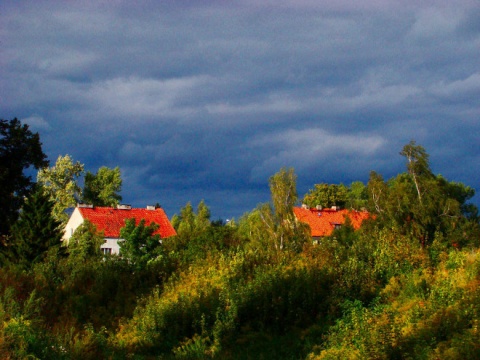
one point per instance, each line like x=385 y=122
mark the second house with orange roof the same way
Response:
x=322 y=222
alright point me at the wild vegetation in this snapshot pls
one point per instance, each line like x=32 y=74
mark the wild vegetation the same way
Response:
x=404 y=286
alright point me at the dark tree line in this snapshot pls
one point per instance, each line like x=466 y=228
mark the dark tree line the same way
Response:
x=32 y=214
x=20 y=150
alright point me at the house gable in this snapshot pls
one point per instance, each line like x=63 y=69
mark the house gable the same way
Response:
x=76 y=219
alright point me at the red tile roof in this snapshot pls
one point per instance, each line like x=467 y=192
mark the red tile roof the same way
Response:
x=322 y=222
x=111 y=220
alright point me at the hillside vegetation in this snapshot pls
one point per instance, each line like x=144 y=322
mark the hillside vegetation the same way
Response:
x=404 y=286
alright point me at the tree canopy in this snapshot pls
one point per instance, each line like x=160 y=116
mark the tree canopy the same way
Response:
x=61 y=185
x=36 y=230
x=418 y=201
x=85 y=243
x=20 y=149
x=273 y=226
x=189 y=222
x=102 y=188
x=327 y=195
x=139 y=244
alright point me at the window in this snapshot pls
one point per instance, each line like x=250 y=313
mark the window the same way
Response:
x=107 y=250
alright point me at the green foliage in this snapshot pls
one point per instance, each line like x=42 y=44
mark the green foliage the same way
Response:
x=35 y=231
x=60 y=183
x=97 y=291
x=354 y=196
x=346 y=234
x=357 y=197
x=418 y=167
x=223 y=300
x=140 y=246
x=20 y=149
x=184 y=223
x=273 y=227
x=377 y=193
x=327 y=195
x=210 y=242
x=420 y=203
x=195 y=348
x=87 y=344
x=102 y=188
x=202 y=218
x=189 y=224
x=283 y=190
x=438 y=319
x=20 y=335
x=258 y=228
x=85 y=243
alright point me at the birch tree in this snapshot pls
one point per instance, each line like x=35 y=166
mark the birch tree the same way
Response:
x=61 y=185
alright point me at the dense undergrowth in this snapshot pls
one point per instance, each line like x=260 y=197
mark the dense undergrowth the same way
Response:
x=382 y=297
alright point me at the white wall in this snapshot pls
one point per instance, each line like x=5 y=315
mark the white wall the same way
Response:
x=75 y=221
x=111 y=244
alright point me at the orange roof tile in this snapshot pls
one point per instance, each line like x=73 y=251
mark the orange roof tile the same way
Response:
x=322 y=222
x=111 y=220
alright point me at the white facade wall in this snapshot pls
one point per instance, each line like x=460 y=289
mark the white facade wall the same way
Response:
x=73 y=223
x=110 y=246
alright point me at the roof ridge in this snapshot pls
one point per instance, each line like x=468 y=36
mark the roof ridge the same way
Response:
x=111 y=220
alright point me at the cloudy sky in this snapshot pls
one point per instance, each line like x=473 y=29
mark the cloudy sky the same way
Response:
x=207 y=99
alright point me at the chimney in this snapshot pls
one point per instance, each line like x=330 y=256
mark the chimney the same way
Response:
x=150 y=207
x=82 y=205
x=124 y=207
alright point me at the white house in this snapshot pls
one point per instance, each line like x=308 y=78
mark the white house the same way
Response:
x=110 y=220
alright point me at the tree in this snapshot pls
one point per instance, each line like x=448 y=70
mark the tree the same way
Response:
x=140 y=245
x=417 y=166
x=202 y=218
x=327 y=195
x=346 y=234
x=189 y=223
x=357 y=195
x=280 y=227
x=461 y=193
x=257 y=227
x=184 y=223
x=60 y=184
x=102 y=188
x=283 y=190
x=419 y=203
x=36 y=230
x=377 y=192
x=20 y=149
x=85 y=243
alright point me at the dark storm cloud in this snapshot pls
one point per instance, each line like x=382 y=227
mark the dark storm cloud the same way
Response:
x=207 y=100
